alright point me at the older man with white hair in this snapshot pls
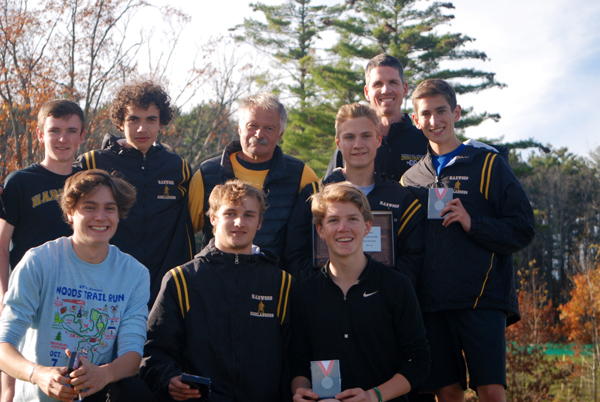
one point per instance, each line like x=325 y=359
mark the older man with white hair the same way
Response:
x=257 y=160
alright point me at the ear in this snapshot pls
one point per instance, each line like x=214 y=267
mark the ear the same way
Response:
x=81 y=137
x=337 y=143
x=259 y=225
x=457 y=111
x=40 y=135
x=405 y=87
x=280 y=136
x=416 y=120
x=368 y=225
x=213 y=220
x=380 y=139
x=320 y=230
x=367 y=93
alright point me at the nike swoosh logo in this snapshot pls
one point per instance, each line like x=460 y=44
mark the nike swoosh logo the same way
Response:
x=369 y=294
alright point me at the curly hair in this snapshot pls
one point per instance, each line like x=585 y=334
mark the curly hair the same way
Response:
x=85 y=183
x=141 y=95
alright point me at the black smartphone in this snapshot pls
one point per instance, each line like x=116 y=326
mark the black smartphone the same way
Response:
x=200 y=383
x=71 y=365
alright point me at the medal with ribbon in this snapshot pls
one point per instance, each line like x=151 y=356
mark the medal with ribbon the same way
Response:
x=439 y=204
x=326 y=367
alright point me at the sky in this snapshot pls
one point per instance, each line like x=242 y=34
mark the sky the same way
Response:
x=546 y=52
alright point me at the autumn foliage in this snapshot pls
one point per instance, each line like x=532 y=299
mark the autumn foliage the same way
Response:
x=581 y=315
x=530 y=373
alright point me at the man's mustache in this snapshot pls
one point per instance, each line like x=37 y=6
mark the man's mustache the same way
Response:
x=259 y=141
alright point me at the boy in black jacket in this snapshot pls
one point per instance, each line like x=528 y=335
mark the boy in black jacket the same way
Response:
x=158 y=231
x=223 y=315
x=355 y=310
x=466 y=287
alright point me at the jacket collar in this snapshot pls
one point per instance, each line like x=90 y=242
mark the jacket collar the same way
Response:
x=337 y=176
x=214 y=255
x=399 y=127
x=110 y=143
x=364 y=275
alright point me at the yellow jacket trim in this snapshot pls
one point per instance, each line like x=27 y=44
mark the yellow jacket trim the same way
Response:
x=90 y=160
x=486 y=174
x=286 y=282
x=185 y=173
x=177 y=271
x=411 y=210
x=487 y=275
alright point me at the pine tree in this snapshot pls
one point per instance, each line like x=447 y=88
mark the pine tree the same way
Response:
x=58 y=336
x=289 y=36
x=411 y=34
x=315 y=83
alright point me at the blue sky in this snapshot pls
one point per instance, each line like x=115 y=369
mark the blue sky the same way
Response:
x=547 y=52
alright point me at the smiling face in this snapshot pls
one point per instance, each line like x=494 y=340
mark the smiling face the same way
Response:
x=436 y=119
x=141 y=126
x=260 y=130
x=386 y=91
x=235 y=225
x=358 y=140
x=94 y=219
x=61 y=138
x=343 y=229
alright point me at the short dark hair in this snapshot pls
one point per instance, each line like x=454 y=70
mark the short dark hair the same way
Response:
x=383 y=60
x=141 y=94
x=85 y=183
x=355 y=111
x=433 y=87
x=59 y=108
x=233 y=191
x=339 y=192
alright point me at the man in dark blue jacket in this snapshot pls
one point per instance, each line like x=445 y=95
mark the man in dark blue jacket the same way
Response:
x=258 y=160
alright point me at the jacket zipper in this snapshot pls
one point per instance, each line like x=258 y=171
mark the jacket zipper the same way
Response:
x=237 y=329
x=145 y=207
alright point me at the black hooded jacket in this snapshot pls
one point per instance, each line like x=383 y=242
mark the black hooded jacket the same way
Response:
x=473 y=269
x=226 y=317
x=158 y=230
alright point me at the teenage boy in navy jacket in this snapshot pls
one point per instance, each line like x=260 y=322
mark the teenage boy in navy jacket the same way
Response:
x=466 y=288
